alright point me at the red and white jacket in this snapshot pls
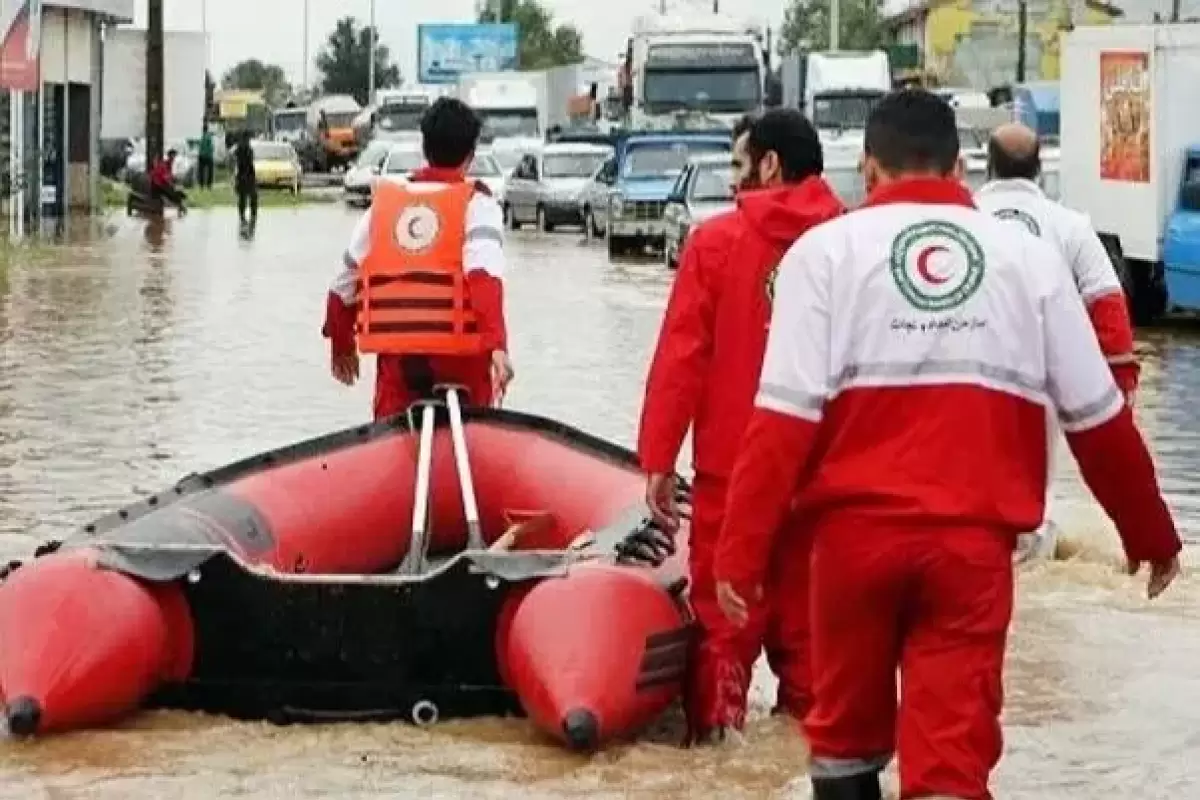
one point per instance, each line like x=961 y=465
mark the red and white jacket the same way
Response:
x=914 y=348
x=1071 y=233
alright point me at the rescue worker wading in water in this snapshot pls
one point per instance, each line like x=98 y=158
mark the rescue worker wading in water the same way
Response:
x=422 y=284
x=704 y=375
x=916 y=344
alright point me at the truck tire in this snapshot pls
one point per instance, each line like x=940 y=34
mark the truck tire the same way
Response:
x=1145 y=288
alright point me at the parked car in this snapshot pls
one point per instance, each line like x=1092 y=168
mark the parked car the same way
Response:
x=486 y=170
x=403 y=159
x=593 y=200
x=184 y=168
x=276 y=165
x=647 y=166
x=703 y=190
x=546 y=186
x=364 y=170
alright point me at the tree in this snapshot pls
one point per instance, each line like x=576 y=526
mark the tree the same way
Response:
x=345 y=61
x=540 y=43
x=806 y=26
x=254 y=75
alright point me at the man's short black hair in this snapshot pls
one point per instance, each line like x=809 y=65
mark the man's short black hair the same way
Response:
x=912 y=130
x=1005 y=165
x=743 y=125
x=793 y=138
x=449 y=132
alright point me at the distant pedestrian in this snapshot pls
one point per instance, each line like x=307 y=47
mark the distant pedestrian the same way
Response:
x=245 y=180
x=204 y=161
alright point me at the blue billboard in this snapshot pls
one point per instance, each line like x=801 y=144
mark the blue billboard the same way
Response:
x=446 y=51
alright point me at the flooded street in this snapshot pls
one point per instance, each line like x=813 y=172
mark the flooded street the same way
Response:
x=136 y=358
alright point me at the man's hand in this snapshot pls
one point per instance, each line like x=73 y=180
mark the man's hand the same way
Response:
x=344 y=368
x=733 y=606
x=502 y=375
x=1162 y=575
x=660 y=499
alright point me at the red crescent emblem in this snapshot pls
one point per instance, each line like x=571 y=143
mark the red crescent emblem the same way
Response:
x=923 y=264
x=412 y=226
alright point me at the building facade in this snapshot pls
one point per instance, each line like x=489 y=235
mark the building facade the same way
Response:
x=973 y=43
x=59 y=124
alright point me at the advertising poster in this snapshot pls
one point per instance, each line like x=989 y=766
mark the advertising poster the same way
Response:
x=1125 y=117
x=446 y=51
x=20 y=22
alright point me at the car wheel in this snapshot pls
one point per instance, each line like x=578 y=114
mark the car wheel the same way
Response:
x=510 y=218
x=543 y=224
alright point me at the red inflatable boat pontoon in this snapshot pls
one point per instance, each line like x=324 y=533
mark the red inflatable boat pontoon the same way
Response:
x=312 y=583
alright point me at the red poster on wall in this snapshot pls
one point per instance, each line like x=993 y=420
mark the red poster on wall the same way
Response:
x=1125 y=117
x=20 y=25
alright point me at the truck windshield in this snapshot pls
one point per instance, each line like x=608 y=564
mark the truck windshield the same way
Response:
x=844 y=110
x=287 y=122
x=664 y=159
x=499 y=124
x=400 y=117
x=571 y=165
x=718 y=91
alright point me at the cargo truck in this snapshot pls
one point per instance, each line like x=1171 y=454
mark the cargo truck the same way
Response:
x=1130 y=159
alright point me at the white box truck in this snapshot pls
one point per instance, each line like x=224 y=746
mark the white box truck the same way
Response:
x=1130 y=157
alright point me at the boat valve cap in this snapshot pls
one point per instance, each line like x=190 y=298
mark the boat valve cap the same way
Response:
x=23 y=715
x=582 y=730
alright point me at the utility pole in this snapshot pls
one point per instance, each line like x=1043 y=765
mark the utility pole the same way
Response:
x=154 y=83
x=1022 y=35
x=371 y=57
x=835 y=24
x=304 y=49
x=1175 y=10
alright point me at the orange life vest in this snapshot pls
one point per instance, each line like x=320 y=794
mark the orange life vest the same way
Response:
x=412 y=286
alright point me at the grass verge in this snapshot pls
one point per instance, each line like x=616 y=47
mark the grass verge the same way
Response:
x=222 y=195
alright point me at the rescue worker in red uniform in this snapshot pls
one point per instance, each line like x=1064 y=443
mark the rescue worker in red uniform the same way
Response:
x=915 y=345
x=422 y=279
x=703 y=376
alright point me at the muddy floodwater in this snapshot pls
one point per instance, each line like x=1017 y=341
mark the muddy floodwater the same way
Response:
x=134 y=357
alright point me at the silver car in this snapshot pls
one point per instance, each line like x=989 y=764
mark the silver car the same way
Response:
x=594 y=199
x=362 y=172
x=703 y=190
x=546 y=186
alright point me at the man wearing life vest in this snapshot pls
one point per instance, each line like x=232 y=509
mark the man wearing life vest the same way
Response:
x=1012 y=194
x=704 y=375
x=915 y=346
x=422 y=285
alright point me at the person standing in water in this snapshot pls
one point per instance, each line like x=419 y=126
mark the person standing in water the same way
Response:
x=204 y=160
x=245 y=181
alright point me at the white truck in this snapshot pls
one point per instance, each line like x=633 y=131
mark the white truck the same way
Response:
x=123 y=103
x=710 y=64
x=510 y=105
x=837 y=89
x=1130 y=159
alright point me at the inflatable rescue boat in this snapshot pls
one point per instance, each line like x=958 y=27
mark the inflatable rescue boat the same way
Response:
x=447 y=562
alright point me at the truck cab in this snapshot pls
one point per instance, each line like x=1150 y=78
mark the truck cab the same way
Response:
x=1181 y=239
x=645 y=168
x=509 y=106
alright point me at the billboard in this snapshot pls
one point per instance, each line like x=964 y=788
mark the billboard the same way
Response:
x=20 y=38
x=448 y=50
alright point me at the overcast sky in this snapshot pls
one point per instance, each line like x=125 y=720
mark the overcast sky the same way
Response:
x=273 y=30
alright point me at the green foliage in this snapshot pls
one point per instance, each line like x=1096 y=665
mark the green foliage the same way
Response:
x=254 y=75
x=806 y=26
x=345 y=61
x=541 y=43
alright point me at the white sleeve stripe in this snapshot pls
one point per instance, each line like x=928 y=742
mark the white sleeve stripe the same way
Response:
x=1123 y=358
x=790 y=401
x=774 y=404
x=1093 y=414
x=1106 y=290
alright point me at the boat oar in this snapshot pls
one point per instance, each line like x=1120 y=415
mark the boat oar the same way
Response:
x=414 y=563
x=463 y=463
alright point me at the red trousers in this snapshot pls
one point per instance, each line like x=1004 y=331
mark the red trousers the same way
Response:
x=935 y=603
x=394 y=394
x=725 y=655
